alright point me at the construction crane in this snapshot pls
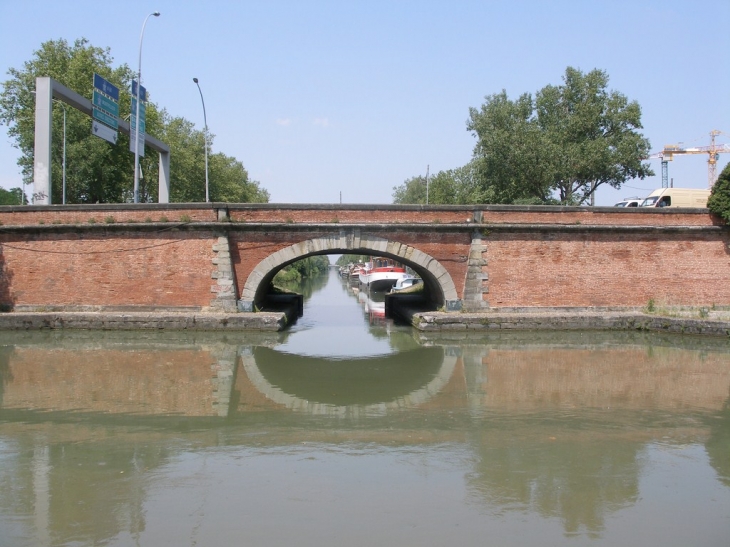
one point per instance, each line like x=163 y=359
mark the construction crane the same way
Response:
x=713 y=150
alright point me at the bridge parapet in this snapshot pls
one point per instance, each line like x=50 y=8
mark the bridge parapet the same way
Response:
x=279 y=213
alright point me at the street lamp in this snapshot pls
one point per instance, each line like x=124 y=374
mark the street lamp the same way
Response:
x=205 y=121
x=137 y=124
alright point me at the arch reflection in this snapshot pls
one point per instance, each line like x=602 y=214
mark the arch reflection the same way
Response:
x=334 y=387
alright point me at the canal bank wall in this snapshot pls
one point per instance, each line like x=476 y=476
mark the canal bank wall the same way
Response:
x=694 y=322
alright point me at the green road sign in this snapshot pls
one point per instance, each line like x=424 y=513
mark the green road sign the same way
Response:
x=142 y=108
x=105 y=118
x=105 y=103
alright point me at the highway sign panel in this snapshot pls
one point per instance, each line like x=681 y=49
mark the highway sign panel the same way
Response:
x=102 y=131
x=141 y=143
x=142 y=109
x=106 y=87
x=104 y=118
x=133 y=124
x=142 y=91
x=106 y=104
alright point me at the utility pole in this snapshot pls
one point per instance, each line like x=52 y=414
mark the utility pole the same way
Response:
x=427 y=167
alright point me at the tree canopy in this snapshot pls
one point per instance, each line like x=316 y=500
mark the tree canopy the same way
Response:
x=97 y=171
x=555 y=147
x=568 y=140
x=455 y=186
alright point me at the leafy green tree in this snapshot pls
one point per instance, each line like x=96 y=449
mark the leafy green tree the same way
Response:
x=229 y=181
x=97 y=171
x=412 y=191
x=311 y=266
x=569 y=140
x=346 y=259
x=11 y=197
x=455 y=186
x=719 y=201
x=509 y=157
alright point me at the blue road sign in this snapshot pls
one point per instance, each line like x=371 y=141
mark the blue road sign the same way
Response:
x=106 y=87
x=142 y=91
x=142 y=109
x=133 y=124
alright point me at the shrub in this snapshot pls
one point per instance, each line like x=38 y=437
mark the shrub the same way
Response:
x=719 y=202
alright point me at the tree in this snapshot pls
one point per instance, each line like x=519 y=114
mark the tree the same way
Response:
x=412 y=191
x=569 y=140
x=97 y=171
x=455 y=186
x=11 y=197
x=719 y=200
x=309 y=267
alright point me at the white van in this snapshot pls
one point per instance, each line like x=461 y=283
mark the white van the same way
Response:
x=677 y=197
x=630 y=202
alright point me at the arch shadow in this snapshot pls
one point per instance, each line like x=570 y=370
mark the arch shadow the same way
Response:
x=439 y=287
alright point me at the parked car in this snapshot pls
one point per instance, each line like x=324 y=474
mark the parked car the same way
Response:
x=630 y=202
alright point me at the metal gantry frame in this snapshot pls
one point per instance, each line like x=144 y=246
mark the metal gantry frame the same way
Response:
x=48 y=89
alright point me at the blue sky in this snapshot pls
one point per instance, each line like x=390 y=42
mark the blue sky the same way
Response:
x=325 y=101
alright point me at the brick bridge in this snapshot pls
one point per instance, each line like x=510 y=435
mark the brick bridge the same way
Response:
x=223 y=256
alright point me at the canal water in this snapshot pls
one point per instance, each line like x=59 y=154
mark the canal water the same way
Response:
x=348 y=429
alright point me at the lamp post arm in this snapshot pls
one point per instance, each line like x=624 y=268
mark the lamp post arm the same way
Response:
x=136 y=118
x=205 y=136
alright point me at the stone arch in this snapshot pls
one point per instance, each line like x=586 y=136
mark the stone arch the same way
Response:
x=435 y=276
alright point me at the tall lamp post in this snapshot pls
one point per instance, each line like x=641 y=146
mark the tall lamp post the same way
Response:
x=137 y=124
x=205 y=121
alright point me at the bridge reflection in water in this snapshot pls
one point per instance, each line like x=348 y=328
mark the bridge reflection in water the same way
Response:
x=95 y=428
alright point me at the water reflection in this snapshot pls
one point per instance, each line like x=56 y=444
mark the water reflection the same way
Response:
x=354 y=387
x=104 y=437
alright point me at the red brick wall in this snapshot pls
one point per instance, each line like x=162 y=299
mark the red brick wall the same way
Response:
x=49 y=264
x=355 y=214
x=167 y=269
x=102 y=214
x=607 y=269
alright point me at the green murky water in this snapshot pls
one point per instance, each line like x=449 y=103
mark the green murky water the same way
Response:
x=350 y=430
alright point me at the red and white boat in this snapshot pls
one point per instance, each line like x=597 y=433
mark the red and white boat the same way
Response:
x=380 y=274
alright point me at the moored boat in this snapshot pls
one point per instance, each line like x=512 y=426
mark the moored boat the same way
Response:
x=380 y=274
x=406 y=283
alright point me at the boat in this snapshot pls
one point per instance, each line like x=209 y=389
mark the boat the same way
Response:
x=355 y=271
x=406 y=283
x=380 y=274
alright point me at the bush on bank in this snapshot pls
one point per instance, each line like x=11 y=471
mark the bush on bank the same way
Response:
x=719 y=201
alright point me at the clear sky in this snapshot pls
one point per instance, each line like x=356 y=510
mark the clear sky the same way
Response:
x=329 y=101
